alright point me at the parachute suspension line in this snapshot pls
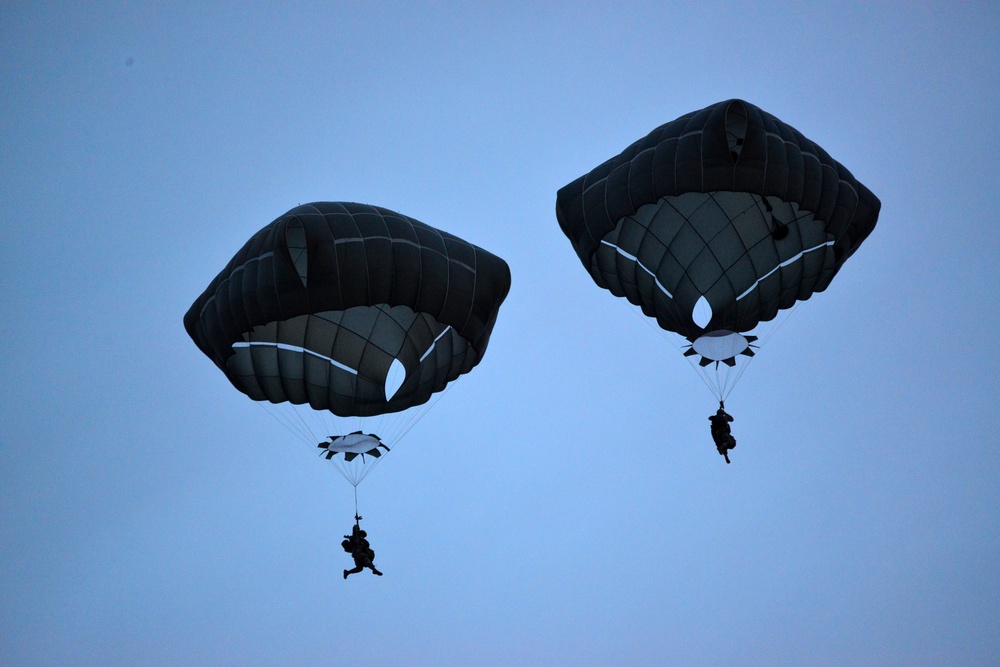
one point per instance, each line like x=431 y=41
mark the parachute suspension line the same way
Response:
x=669 y=337
x=722 y=381
x=635 y=310
x=353 y=480
x=391 y=428
x=725 y=379
x=703 y=373
x=299 y=428
x=788 y=313
x=395 y=437
x=365 y=471
x=300 y=431
x=768 y=332
x=384 y=424
x=306 y=428
x=422 y=412
x=399 y=429
x=402 y=430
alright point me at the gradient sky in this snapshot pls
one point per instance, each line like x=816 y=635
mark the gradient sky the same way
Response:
x=563 y=503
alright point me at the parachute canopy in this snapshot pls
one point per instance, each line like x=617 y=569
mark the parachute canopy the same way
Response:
x=349 y=308
x=715 y=221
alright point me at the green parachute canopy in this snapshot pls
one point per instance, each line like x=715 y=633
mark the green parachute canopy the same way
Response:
x=349 y=308
x=715 y=222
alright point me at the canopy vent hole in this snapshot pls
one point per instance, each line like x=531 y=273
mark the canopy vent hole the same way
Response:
x=702 y=313
x=394 y=379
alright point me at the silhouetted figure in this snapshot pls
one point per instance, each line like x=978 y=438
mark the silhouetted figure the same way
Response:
x=724 y=440
x=357 y=545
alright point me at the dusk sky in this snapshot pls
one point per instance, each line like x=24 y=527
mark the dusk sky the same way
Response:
x=563 y=503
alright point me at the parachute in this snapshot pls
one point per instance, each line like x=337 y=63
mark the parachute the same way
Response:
x=714 y=223
x=351 y=310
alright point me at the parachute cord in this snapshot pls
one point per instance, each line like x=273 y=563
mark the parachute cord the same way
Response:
x=422 y=413
x=301 y=433
x=357 y=516
x=667 y=336
x=343 y=473
x=305 y=426
x=787 y=314
x=295 y=424
x=399 y=434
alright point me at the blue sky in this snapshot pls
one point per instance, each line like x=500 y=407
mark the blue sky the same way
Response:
x=563 y=503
